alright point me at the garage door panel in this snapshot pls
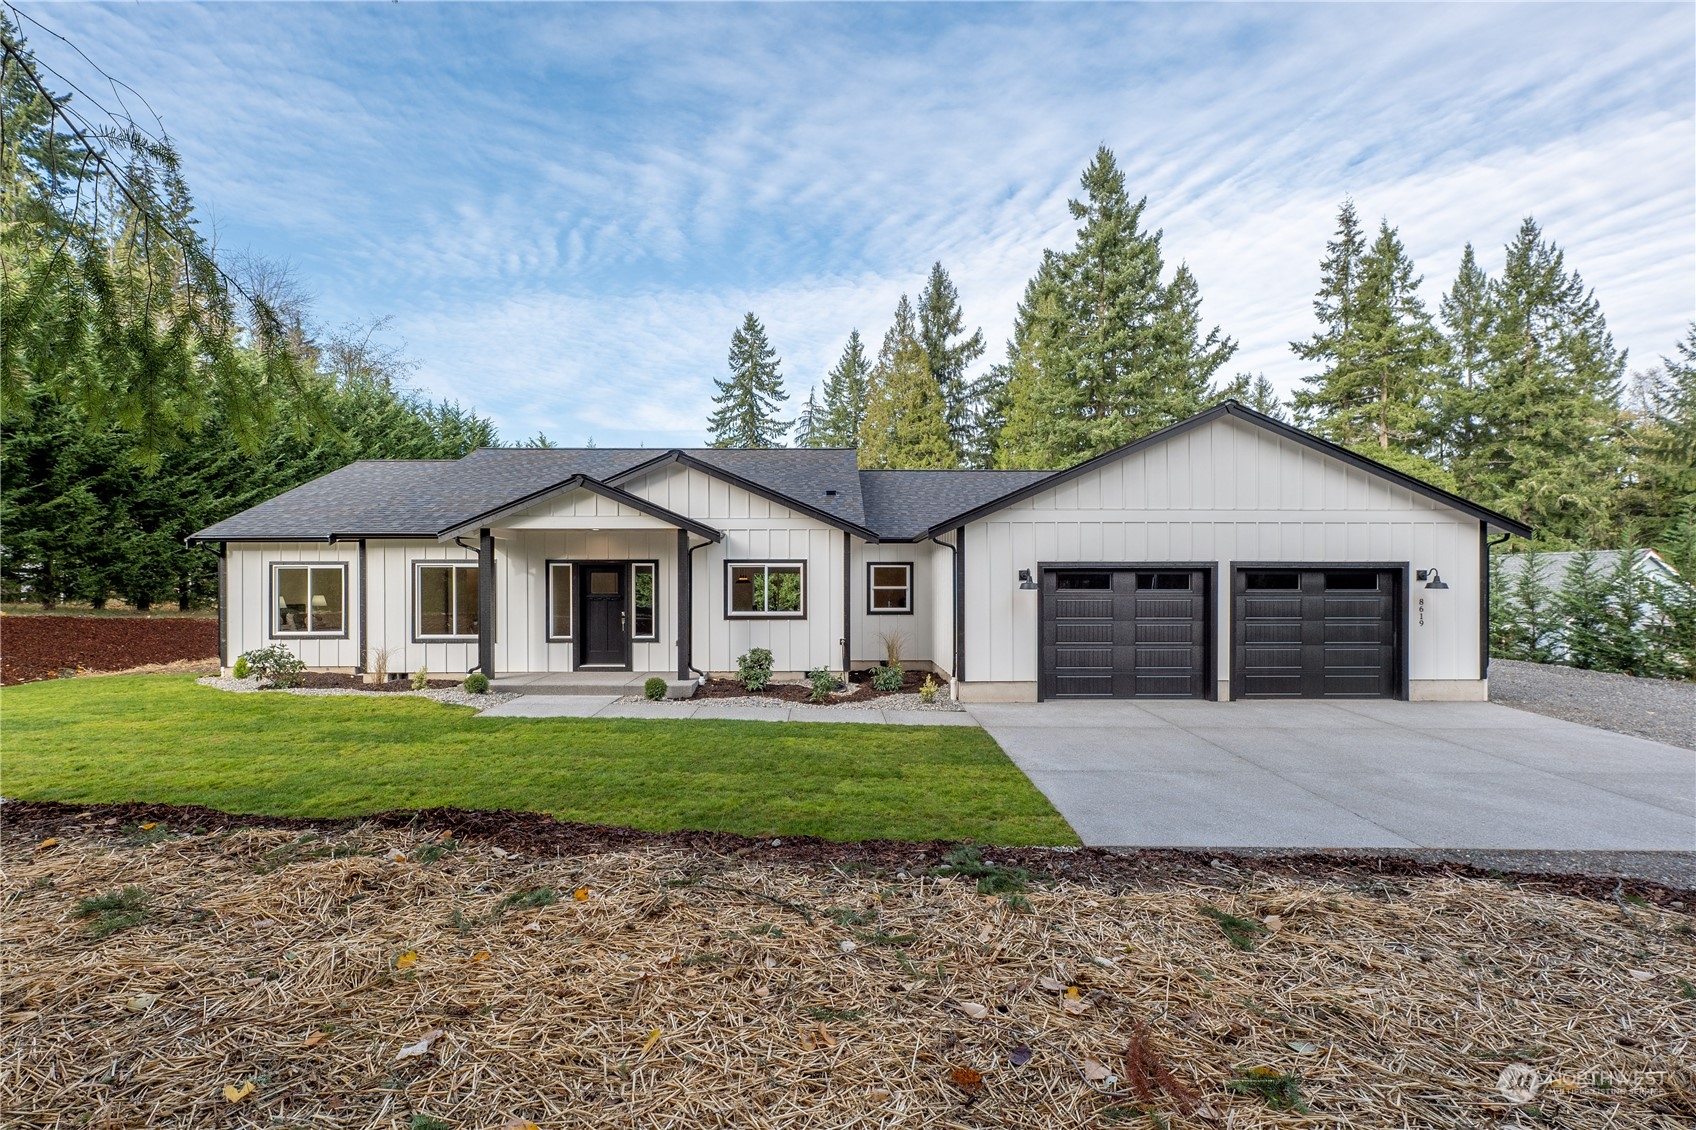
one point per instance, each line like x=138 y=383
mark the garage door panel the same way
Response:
x=1083 y=631
x=1154 y=623
x=1316 y=633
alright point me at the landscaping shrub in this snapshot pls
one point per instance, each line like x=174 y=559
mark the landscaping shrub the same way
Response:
x=887 y=678
x=753 y=669
x=241 y=670
x=477 y=683
x=824 y=684
x=927 y=690
x=276 y=665
x=654 y=689
x=421 y=679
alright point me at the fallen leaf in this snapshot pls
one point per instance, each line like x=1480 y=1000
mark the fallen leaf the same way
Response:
x=653 y=1038
x=847 y=945
x=315 y=1039
x=1019 y=1056
x=50 y=841
x=407 y=960
x=1051 y=985
x=1640 y=974
x=498 y=853
x=479 y=956
x=1518 y=1083
x=396 y=856
x=516 y=1123
x=762 y=991
x=967 y=1079
x=532 y=928
x=824 y=1037
x=1303 y=1046
x=236 y=1094
x=771 y=963
x=422 y=1047
x=1073 y=1006
x=1072 y=992
x=878 y=1095
x=1093 y=1071
x=975 y=1011
x=809 y=1042
x=986 y=933
x=1273 y=922
x=581 y=894
x=141 y=1002
x=148 y=827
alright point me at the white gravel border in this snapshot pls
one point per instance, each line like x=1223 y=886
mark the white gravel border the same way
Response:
x=451 y=696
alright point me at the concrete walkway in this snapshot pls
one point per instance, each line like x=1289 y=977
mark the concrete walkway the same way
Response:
x=608 y=706
x=1368 y=774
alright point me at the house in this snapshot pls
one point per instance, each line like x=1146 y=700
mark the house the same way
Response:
x=1228 y=556
x=1650 y=567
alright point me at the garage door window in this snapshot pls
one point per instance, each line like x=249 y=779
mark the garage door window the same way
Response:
x=1178 y=581
x=1273 y=582
x=1355 y=580
x=1072 y=582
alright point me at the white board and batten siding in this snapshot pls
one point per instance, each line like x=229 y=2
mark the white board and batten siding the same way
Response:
x=249 y=600
x=917 y=630
x=1225 y=492
x=755 y=529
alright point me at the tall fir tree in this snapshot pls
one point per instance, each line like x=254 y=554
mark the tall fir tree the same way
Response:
x=807 y=424
x=845 y=397
x=747 y=412
x=941 y=322
x=1546 y=409
x=1467 y=314
x=1255 y=392
x=906 y=421
x=1661 y=483
x=1379 y=349
x=1103 y=351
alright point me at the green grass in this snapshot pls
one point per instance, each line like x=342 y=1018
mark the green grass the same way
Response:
x=163 y=739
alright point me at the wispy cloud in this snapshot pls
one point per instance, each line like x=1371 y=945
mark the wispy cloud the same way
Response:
x=568 y=208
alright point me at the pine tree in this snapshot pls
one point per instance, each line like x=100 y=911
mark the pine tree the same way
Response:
x=1534 y=622
x=906 y=422
x=1546 y=409
x=748 y=401
x=1379 y=349
x=845 y=396
x=1583 y=606
x=1255 y=392
x=1467 y=314
x=1103 y=351
x=1661 y=485
x=808 y=423
x=940 y=322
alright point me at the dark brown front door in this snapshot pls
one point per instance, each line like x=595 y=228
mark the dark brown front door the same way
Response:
x=606 y=632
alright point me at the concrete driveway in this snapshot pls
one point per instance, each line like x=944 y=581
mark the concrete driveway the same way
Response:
x=1369 y=774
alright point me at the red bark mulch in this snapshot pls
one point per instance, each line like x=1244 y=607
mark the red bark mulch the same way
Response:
x=43 y=647
x=800 y=692
x=330 y=681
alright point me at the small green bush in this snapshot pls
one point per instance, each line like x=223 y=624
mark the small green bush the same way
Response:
x=275 y=665
x=421 y=679
x=477 y=683
x=241 y=670
x=927 y=690
x=753 y=669
x=654 y=689
x=887 y=678
x=824 y=683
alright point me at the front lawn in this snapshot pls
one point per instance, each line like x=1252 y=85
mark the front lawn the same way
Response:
x=164 y=739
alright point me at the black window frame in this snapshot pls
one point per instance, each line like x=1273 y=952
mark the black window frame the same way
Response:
x=871 y=588
x=419 y=564
x=766 y=563
x=271 y=616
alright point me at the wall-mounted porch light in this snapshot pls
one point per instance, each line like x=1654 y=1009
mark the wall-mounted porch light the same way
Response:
x=1432 y=579
x=1025 y=581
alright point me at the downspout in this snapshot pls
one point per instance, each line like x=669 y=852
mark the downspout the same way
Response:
x=1485 y=545
x=689 y=661
x=364 y=638
x=957 y=548
x=223 y=605
x=685 y=605
x=847 y=600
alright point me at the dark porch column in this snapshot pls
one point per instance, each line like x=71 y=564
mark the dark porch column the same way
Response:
x=685 y=605
x=486 y=602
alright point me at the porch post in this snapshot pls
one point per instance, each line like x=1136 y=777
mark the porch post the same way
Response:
x=486 y=602
x=685 y=605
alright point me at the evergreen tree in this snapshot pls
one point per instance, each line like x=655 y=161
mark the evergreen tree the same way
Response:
x=1467 y=315
x=1533 y=625
x=1661 y=484
x=748 y=401
x=807 y=425
x=940 y=323
x=845 y=396
x=1378 y=346
x=1583 y=608
x=906 y=422
x=1255 y=392
x=1103 y=351
x=1546 y=410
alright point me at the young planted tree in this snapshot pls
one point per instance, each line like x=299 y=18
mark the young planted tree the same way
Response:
x=949 y=351
x=845 y=397
x=1104 y=351
x=1583 y=607
x=906 y=421
x=1528 y=623
x=747 y=402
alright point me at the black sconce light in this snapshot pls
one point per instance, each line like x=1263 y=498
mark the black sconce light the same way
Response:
x=1025 y=581
x=1432 y=579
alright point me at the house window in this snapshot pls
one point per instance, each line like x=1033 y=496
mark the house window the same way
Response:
x=890 y=588
x=642 y=577
x=559 y=600
x=311 y=600
x=766 y=589
x=447 y=601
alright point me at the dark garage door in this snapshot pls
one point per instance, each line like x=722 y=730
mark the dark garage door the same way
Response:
x=1315 y=633
x=1124 y=633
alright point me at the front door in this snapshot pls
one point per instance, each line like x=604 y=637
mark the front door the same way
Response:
x=606 y=632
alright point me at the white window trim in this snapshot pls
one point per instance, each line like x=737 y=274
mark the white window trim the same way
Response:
x=730 y=568
x=654 y=568
x=571 y=600
x=418 y=634
x=873 y=589
x=278 y=633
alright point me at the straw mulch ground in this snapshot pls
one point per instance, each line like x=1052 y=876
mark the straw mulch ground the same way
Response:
x=381 y=976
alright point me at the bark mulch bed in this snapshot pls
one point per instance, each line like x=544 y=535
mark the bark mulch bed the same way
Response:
x=183 y=967
x=329 y=681
x=716 y=687
x=49 y=647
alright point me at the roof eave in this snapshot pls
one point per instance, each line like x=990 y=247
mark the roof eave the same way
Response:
x=580 y=482
x=752 y=487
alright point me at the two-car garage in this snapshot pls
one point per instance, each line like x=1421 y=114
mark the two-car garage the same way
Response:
x=1146 y=631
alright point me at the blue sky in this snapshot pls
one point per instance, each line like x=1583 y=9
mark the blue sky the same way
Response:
x=566 y=209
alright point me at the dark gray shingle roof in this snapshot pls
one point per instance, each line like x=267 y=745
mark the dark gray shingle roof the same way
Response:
x=904 y=504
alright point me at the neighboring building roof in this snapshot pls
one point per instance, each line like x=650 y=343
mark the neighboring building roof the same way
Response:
x=904 y=505
x=428 y=498
x=1552 y=567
